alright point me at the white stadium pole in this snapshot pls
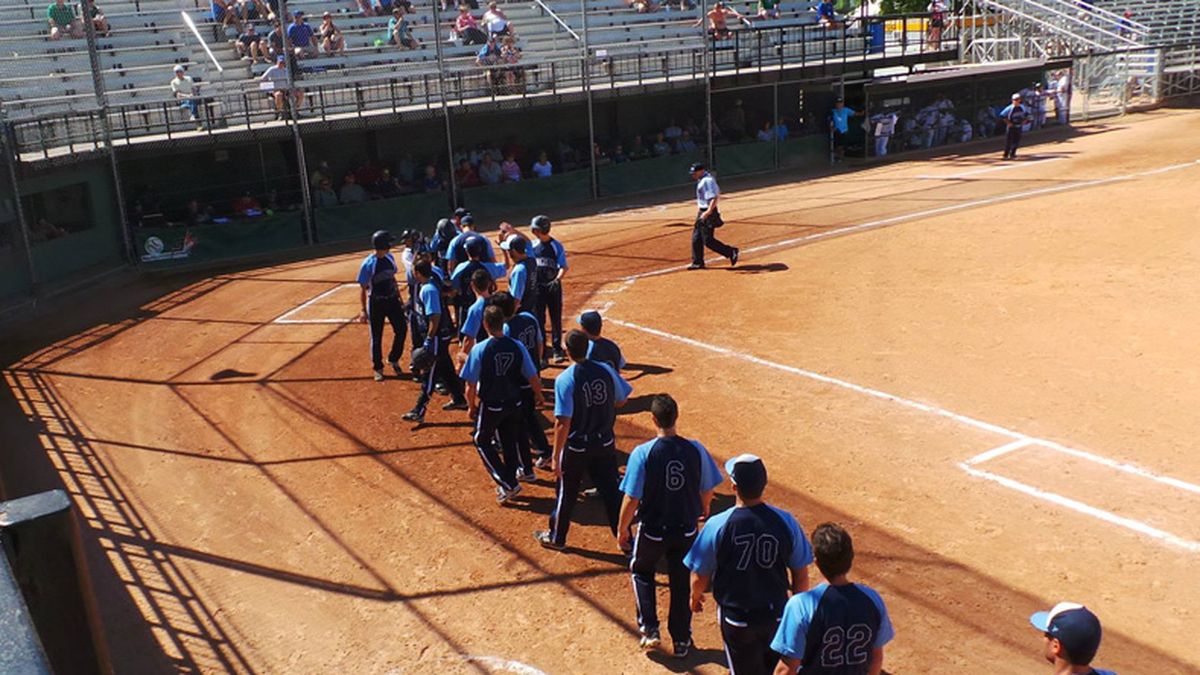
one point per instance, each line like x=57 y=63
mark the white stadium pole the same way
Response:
x=192 y=26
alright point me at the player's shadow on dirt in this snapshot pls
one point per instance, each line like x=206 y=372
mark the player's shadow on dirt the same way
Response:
x=697 y=657
x=636 y=405
x=644 y=369
x=230 y=374
x=759 y=268
x=679 y=224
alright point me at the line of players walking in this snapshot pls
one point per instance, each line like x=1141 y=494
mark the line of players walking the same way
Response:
x=753 y=557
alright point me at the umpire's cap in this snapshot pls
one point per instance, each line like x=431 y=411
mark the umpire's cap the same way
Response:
x=422 y=359
x=540 y=224
x=748 y=472
x=381 y=240
x=695 y=167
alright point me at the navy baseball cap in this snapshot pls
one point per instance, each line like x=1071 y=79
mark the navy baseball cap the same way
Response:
x=747 y=471
x=468 y=219
x=1073 y=625
x=460 y=212
x=591 y=321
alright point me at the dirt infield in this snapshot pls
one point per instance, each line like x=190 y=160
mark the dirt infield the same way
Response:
x=984 y=370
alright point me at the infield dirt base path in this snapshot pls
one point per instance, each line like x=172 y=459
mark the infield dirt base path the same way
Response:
x=253 y=503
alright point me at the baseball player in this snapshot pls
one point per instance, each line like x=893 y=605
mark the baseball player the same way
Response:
x=434 y=315
x=586 y=396
x=525 y=328
x=443 y=233
x=504 y=232
x=745 y=554
x=522 y=278
x=1072 y=635
x=669 y=484
x=495 y=372
x=1014 y=116
x=457 y=252
x=838 y=627
x=601 y=348
x=472 y=330
x=708 y=219
x=463 y=272
x=380 y=300
x=551 y=260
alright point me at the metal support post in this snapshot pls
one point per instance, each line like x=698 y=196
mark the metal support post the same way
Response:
x=587 y=88
x=437 y=42
x=289 y=100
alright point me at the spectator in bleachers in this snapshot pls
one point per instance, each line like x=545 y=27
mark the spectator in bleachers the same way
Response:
x=489 y=171
x=488 y=58
x=302 y=37
x=768 y=9
x=223 y=14
x=432 y=182
x=599 y=156
x=672 y=132
x=99 y=21
x=246 y=10
x=766 y=133
x=367 y=173
x=937 y=21
x=467 y=28
x=781 y=130
x=618 y=154
x=400 y=31
x=510 y=169
x=352 y=192
x=685 y=143
x=320 y=174
x=496 y=20
x=246 y=206
x=332 y=40
x=465 y=175
x=277 y=76
x=542 y=168
x=642 y=6
x=637 y=150
x=661 y=148
x=184 y=89
x=386 y=186
x=275 y=40
x=826 y=18
x=63 y=22
x=510 y=56
x=324 y=195
x=717 y=16
x=250 y=45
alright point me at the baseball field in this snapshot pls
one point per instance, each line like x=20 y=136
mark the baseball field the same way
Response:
x=985 y=371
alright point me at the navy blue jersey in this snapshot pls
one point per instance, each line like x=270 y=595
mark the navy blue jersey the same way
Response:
x=606 y=351
x=833 y=629
x=498 y=365
x=466 y=294
x=668 y=475
x=748 y=552
x=458 y=246
x=527 y=330
x=528 y=297
x=378 y=275
x=587 y=392
x=549 y=256
x=428 y=304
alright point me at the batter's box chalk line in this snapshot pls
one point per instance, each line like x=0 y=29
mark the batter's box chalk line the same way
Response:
x=285 y=318
x=1017 y=441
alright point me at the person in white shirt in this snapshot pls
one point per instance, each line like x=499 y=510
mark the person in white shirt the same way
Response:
x=885 y=127
x=496 y=20
x=1062 y=97
x=708 y=219
x=967 y=132
x=184 y=88
x=542 y=168
x=277 y=76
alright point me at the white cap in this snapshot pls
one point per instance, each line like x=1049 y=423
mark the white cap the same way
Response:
x=1016 y=96
x=178 y=68
x=507 y=243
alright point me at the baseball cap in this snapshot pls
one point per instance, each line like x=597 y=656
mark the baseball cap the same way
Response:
x=1075 y=626
x=468 y=220
x=591 y=321
x=747 y=471
x=474 y=247
x=460 y=212
x=279 y=59
x=1016 y=96
x=540 y=223
x=515 y=242
x=695 y=167
x=178 y=68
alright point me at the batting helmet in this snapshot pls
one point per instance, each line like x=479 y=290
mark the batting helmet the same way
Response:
x=695 y=167
x=422 y=359
x=381 y=240
x=445 y=228
x=540 y=223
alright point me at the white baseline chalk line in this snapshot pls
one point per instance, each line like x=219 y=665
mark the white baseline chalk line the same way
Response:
x=1004 y=167
x=504 y=665
x=1019 y=439
x=283 y=318
x=883 y=222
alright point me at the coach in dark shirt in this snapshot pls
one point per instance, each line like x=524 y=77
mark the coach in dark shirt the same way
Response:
x=746 y=554
x=669 y=484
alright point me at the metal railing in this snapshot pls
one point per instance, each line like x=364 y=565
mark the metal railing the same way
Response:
x=557 y=19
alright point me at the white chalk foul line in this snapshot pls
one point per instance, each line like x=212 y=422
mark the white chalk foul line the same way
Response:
x=991 y=169
x=1019 y=440
x=883 y=222
x=284 y=318
x=504 y=665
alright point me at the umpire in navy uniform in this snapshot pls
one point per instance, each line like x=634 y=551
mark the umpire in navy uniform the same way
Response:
x=669 y=484
x=380 y=298
x=708 y=219
x=746 y=554
x=586 y=397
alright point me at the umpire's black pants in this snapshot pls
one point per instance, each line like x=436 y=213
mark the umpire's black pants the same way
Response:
x=500 y=422
x=533 y=438
x=391 y=310
x=550 y=301
x=599 y=461
x=703 y=235
x=443 y=369
x=748 y=645
x=1012 y=139
x=648 y=549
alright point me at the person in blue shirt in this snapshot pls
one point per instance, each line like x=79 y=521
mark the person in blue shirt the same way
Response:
x=443 y=233
x=601 y=348
x=839 y=127
x=460 y=278
x=495 y=371
x=1072 y=637
x=586 y=397
x=1014 y=115
x=825 y=14
x=551 y=260
x=457 y=252
x=746 y=554
x=837 y=628
x=434 y=317
x=380 y=300
x=668 y=484
x=472 y=330
x=708 y=219
x=522 y=278
x=524 y=326
x=300 y=35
